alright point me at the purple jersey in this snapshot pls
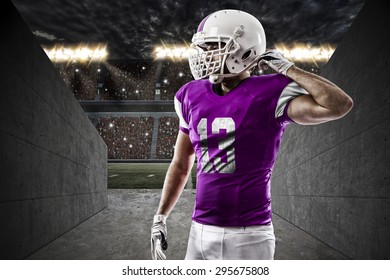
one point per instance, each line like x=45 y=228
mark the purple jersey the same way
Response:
x=236 y=139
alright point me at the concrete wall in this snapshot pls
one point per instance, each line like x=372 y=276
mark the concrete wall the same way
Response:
x=333 y=180
x=53 y=162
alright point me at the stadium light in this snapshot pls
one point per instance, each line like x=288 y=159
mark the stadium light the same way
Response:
x=298 y=52
x=81 y=53
x=175 y=52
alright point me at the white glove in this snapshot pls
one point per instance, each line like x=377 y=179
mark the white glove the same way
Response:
x=159 y=237
x=275 y=60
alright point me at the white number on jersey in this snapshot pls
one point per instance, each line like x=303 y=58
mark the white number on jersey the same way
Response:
x=225 y=144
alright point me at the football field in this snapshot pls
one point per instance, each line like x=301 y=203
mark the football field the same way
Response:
x=140 y=175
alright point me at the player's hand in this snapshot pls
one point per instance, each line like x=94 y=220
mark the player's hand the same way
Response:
x=159 y=237
x=275 y=60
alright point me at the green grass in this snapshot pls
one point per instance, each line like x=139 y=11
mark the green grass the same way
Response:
x=138 y=175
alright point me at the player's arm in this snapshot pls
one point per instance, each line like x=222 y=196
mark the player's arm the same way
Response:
x=175 y=180
x=325 y=101
x=177 y=174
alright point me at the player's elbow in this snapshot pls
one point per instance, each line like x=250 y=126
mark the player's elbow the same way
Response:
x=348 y=104
x=344 y=105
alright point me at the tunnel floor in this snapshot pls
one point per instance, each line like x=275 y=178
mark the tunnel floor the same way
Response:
x=121 y=232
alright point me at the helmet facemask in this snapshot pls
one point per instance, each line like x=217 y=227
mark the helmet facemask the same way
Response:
x=204 y=62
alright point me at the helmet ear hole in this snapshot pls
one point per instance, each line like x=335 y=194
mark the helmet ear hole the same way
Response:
x=246 y=55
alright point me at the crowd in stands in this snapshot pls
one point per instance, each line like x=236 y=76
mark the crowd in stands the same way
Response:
x=129 y=80
x=80 y=78
x=132 y=80
x=174 y=75
x=126 y=137
x=167 y=133
x=113 y=80
x=131 y=137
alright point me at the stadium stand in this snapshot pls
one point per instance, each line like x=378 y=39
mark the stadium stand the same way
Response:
x=167 y=132
x=173 y=76
x=82 y=79
x=126 y=137
x=129 y=80
x=151 y=136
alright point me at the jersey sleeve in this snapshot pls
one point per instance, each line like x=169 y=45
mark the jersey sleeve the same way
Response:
x=178 y=102
x=291 y=91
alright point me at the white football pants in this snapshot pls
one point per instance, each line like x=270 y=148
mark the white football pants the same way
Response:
x=231 y=243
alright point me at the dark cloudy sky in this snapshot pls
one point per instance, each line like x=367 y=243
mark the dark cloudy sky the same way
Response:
x=131 y=28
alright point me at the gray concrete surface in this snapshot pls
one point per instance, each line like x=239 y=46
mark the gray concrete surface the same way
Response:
x=122 y=231
x=53 y=161
x=333 y=180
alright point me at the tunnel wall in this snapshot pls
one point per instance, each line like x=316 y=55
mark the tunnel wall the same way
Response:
x=53 y=171
x=333 y=180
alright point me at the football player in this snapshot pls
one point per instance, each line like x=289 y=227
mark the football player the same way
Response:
x=233 y=123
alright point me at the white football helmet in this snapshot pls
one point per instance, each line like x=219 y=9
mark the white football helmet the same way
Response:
x=240 y=38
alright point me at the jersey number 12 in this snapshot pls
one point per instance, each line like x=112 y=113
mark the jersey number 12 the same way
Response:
x=224 y=144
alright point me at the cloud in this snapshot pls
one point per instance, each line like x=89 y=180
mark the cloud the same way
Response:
x=131 y=28
x=44 y=35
